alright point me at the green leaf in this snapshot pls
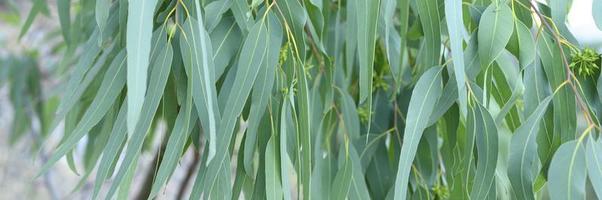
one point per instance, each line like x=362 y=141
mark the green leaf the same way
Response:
x=523 y=160
x=527 y=50
x=455 y=26
x=487 y=152
x=426 y=92
x=226 y=39
x=102 y=13
x=197 y=54
x=495 y=29
x=559 y=12
x=594 y=164
x=139 y=32
x=342 y=180
x=81 y=76
x=64 y=12
x=39 y=6
x=367 y=15
x=111 y=86
x=273 y=187
x=565 y=119
x=567 y=174
x=262 y=89
x=185 y=123
x=428 y=10
x=252 y=55
x=215 y=10
x=596 y=7
x=111 y=151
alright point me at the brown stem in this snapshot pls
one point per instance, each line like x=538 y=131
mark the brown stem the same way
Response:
x=569 y=73
x=150 y=175
x=191 y=169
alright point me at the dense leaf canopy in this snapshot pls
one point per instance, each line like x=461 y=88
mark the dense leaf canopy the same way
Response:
x=328 y=99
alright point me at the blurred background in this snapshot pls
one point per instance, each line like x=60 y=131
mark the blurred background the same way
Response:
x=30 y=77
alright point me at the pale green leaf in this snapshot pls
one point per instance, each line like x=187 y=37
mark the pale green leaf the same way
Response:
x=596 y=7
x=426 y=92
x=568 y=173
x=455 y=26
x=487 y=152
x=111 y=86
x=495 y=29
x=139 y=32
x=523 y=160
x=593 y=153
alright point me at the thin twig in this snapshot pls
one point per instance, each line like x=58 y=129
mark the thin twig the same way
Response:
x=569 y=73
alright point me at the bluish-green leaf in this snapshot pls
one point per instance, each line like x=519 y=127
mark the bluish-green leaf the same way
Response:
x=425 y=94
x=455 y=27
x=523 y=160
x=252 y=55
x=111 y=86
x=593 y=153
x=487 y=152
x=596 y=7
x=262 y=89
x=428 y=10
x=139 y=32
x=64 y=11
x=495 y=29
x=197 y=53
x=568 y=172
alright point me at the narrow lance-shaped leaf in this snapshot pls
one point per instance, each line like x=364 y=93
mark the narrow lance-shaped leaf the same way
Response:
x=455 y=26
x=559 y=11
x=262 y=89
x=161 y=61
x=139 y=32
x=594 y=164
x=304 y=128
x=159 y=75
x=77 y=81
x=39 y=6
x=64 y=11
x=185 y=123
x=596 y=7
x=487 y=152
x=252 y=55
x=272 y=165
x=342 y=180
x=430 y=21
x=565 y=119
x=567 y=174
x=425 y=94
x=367 y=18
x=111 y=151
x=523 y=158
x=112 y=84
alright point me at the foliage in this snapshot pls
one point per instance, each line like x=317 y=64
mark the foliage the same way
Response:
x=332 y=99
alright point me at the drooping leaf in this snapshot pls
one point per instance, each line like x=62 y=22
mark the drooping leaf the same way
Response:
x=568 y=172
x=487 y=153
x=111 y=86
x=523 y=158
x=596 y=6
x=139 y=32
x=197 y=53
x=495 y=30
x=422 y=103
x=252 y=55
x=262 y=89
x=594 y=164
x=455 y=26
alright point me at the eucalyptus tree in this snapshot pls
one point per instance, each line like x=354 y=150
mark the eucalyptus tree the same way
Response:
x=331 y=99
